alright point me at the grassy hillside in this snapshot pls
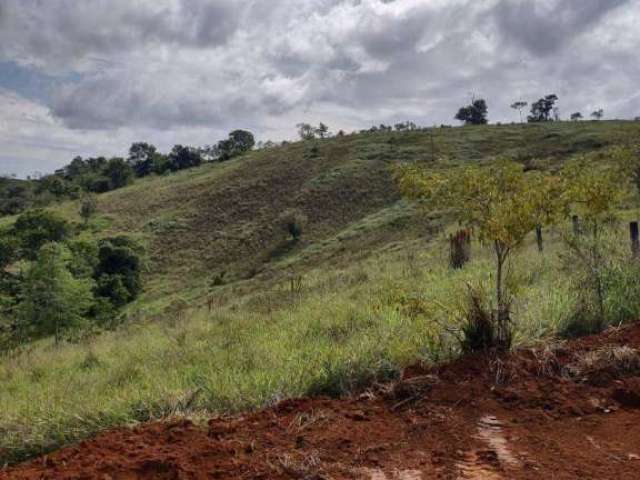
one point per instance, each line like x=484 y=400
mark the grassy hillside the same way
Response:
x=372 y=292
x=222 y=217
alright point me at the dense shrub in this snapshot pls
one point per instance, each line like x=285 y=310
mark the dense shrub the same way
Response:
x=118 y=270
x=34 y=228
x=292 y=221
x=53 y=299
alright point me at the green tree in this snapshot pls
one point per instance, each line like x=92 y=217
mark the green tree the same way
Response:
x=88 y=207
x=118 y=271
x=119 y=173
x=142 y=157
x=239 y=142
x=474 y=114
x=322 y=131
x=306 y=131
x=34 y=228
x=519 y=105
x=182 y=157
x=53 y=300
x=500 y=203
x=594 y=194
x=541 y=110
x=8 y=251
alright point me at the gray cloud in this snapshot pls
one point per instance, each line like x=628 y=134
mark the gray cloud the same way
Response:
x=174 y=68
x=545 y=26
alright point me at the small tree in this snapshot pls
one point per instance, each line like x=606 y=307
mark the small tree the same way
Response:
x=239 y=142
x=576 y=116
x=519 y=105
x=293 y=221
x=119 y=173
x=501 y=203
x=88 y=208
x=8 y=251
x=594 y=195
x=54 y=301
x=182 y=157
x=598 y=114
x=142 y=158
x=34 y=228
x=306 y=131
x=541 y=110
x=322 y=131
x=474 y=114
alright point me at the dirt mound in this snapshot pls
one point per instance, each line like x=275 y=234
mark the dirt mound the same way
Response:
x=564 y=411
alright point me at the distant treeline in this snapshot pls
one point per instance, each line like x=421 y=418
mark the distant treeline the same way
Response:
x=101 y=174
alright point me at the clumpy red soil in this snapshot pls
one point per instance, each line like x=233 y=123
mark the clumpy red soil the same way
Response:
x=529 y=415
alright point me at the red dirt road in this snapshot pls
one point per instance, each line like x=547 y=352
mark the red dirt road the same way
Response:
x=531 y=415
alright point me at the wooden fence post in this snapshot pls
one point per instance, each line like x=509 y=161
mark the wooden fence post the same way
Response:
x=459 y=249
x=635 y=239
x=539 y=238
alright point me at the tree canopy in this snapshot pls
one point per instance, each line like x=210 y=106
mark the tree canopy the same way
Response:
x=473 y=114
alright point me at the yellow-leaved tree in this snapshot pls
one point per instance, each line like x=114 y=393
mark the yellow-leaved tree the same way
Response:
x=594 y=191
x=500 y=202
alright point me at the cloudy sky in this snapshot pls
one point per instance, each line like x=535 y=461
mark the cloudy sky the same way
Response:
x=88 y=77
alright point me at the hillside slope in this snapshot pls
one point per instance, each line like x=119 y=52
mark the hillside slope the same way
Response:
x=364 y=293
x=219 y=218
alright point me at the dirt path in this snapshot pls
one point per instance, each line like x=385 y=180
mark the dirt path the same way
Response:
x=567 y=412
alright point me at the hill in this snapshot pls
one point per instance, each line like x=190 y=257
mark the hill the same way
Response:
x=365 y=292
x=223 y=217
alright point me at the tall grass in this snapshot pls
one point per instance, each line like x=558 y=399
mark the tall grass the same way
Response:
x=336 y=333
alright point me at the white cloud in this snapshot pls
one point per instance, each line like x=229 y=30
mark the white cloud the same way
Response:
x=188 y=70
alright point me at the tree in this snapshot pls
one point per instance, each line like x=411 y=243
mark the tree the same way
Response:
x=501 y=203
x=239 y=142
x=142 y=157
x=35 y=228
x=306 y=131
x=118 y=270
x=119 y=173
x=182 y=157
x=293 y=221
x=576 y=116
x=541 y=110
x=54 y=301
x=88 y=207
x=594 y=194
x=8 y=251
x=598 y=114
x=519 y=105
x=474 y=114
x=322 y=131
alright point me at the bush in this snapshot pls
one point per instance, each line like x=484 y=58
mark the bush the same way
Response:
x=617 y=282
x=118 y=270
x=35 y=228
x=485 y=330
x=54 y=301
x=88 y=207
x=292 y=221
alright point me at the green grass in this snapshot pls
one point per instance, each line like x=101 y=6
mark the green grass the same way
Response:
x=339 y=332
x=376 y=292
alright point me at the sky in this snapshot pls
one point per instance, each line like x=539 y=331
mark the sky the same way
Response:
x=90 y=77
